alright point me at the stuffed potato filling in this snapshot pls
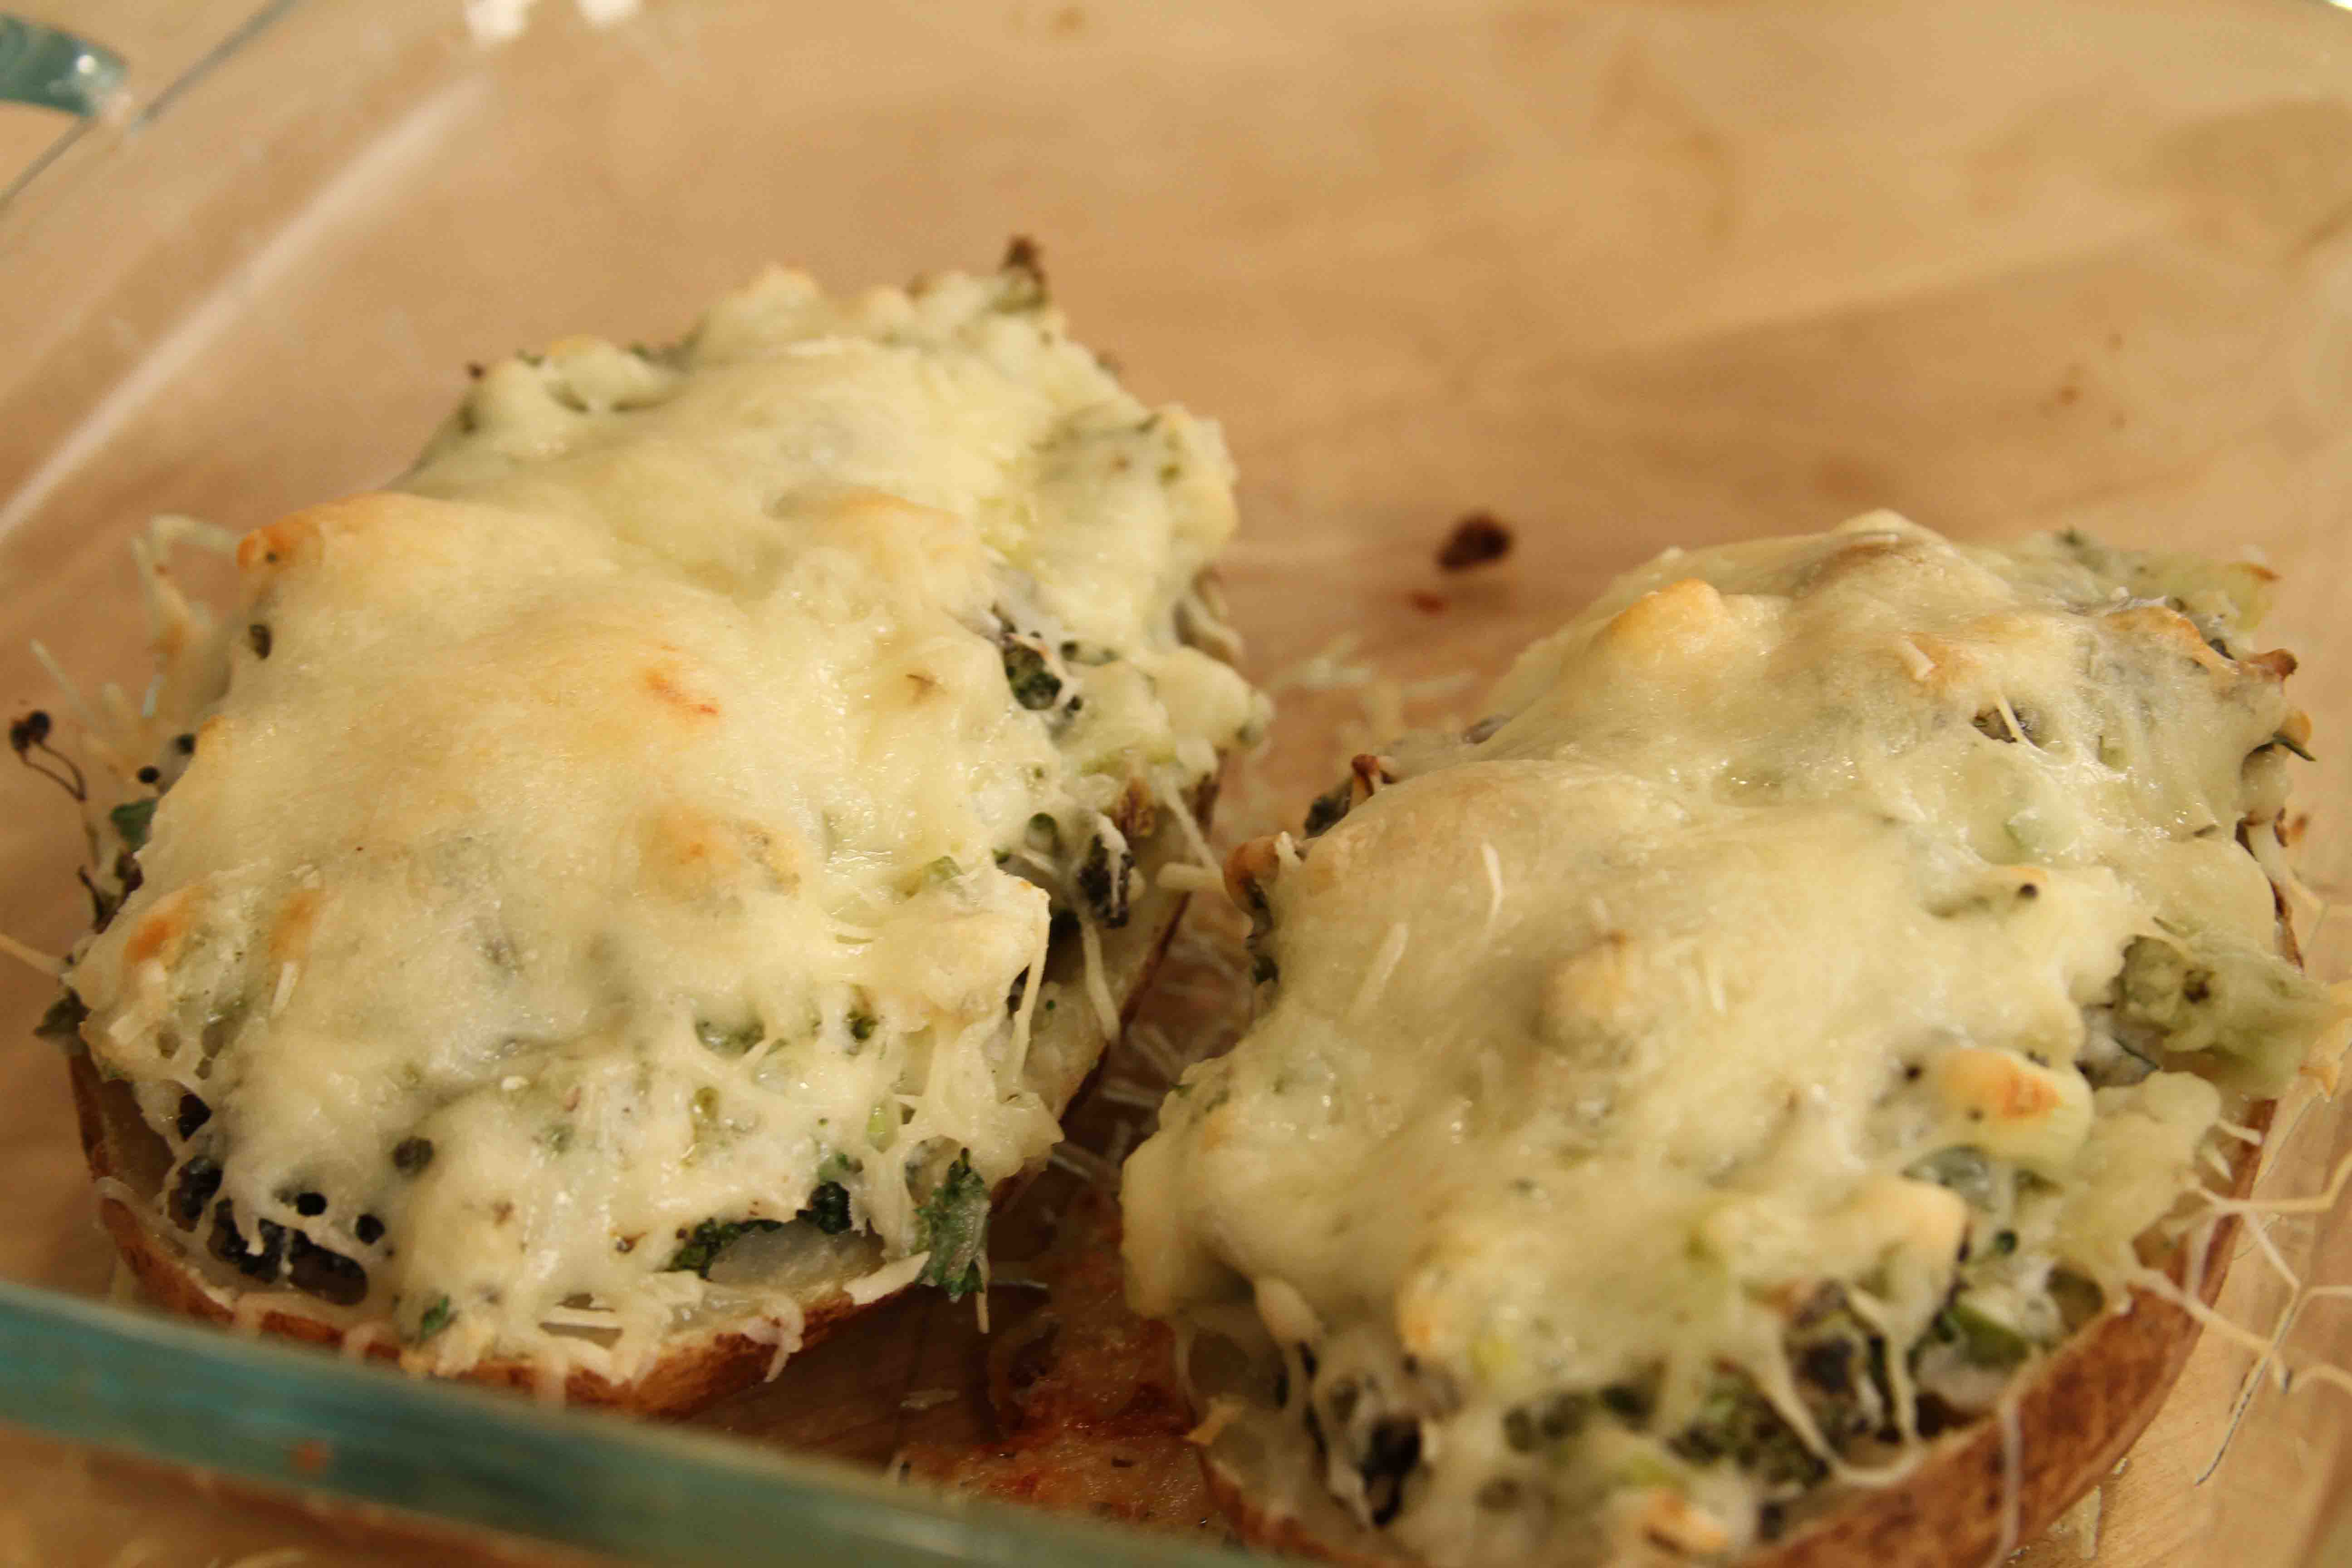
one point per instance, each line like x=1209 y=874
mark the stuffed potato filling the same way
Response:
x=1724 y=1067
x=606 y=883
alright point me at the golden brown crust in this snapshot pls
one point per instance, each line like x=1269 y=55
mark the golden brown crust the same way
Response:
x=119 y=1146
x=2080 y=1413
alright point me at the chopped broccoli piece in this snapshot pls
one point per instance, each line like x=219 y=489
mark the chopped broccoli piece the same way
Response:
x=1633 y=1399
x=1983 y=1338
x=436 y=1319
x=131 y=819
x=64 y=1018
x=729 y=1042
x=953 y=1226
x=1546 y=1422
x=828 y=1209
x=1736 y=1422
x=1034 y=686
x=1021 y=277
x=1962 y=1169
x=705 y=1242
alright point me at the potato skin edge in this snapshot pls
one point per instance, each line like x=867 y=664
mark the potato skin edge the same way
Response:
x=2082 y=1410
x=700 y=1371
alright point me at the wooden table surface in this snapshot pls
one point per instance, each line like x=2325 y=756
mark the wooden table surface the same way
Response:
x=1626 y=275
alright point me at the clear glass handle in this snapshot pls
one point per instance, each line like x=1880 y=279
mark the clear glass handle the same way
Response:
x=40 y=65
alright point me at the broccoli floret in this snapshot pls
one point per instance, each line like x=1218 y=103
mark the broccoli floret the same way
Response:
x=728 y=1041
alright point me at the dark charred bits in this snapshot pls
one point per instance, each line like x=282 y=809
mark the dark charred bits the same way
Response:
x=64 y=1019
x=369 y=1230
x=200 y=1179
x=258 y=638
x=195 y=1113
x=1024 y=270
x=1391 y=1452
x=228 y=1244
x=103 y=904
x=1477 y=539
x=329 y=1276
x=270 y=1249
x=151 y=774
x=411 y=1155
x=1993 y=724
x=1528 y=1427
x=30 y=734
x=1330 y=807
x=1102 y=882
x=1034 y=686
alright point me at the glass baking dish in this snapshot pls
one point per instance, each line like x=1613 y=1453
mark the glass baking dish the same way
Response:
x=1624 y=275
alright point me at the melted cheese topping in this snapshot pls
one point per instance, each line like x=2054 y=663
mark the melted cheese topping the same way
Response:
x=1768 y=943
x=616 y=828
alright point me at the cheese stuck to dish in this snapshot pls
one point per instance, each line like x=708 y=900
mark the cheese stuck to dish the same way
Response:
x=1793 y=1004
x=643 y=828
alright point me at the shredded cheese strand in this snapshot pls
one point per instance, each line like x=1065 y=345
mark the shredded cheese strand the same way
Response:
x=31 y=957
x=2012 y=1471
x=1384 y=964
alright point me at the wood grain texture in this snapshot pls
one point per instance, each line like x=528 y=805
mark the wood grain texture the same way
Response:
x=1627 y=275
